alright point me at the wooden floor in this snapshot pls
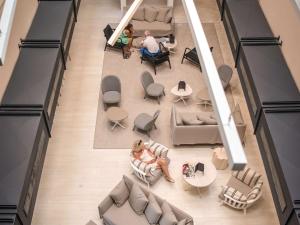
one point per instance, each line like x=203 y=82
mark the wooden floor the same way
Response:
x=76 y=178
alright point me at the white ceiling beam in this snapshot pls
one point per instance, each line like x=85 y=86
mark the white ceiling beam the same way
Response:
x=6 y=22
x=124 y=21
x=227 y=127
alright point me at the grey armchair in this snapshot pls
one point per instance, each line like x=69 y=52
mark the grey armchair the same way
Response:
x=111 y=90
x=152 y=89
x=225 y=73
x=145 y=122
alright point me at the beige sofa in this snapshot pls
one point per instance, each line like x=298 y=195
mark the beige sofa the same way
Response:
x=158 y=20
x=114 y=213
x=200 y=134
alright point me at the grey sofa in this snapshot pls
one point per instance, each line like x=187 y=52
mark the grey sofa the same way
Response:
x=112 y=214
x=202 y=133
x=153 y=20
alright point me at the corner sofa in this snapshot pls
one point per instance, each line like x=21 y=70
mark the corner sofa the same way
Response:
x=191 y=128
x=158 y=20
x=130 y=204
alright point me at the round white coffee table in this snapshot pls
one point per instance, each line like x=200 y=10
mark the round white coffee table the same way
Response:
x=182 y=94
x=201 y=180
x=116 y=115
x=170 y=46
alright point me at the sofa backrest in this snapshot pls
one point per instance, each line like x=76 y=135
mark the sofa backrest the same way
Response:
x=141 y=13
x=180 y=215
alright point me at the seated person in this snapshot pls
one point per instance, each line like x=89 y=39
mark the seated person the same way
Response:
x=140 y=152
x=150 y=46
x=128 y=30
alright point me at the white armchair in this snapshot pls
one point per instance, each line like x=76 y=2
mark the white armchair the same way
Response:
x=143 y=170
x=242 y=190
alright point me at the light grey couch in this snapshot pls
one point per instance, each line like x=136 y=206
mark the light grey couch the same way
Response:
x=125 y=215
x=158 y=24
x=200 y=134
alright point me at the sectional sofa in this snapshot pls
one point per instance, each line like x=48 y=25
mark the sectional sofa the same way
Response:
x=200 y=127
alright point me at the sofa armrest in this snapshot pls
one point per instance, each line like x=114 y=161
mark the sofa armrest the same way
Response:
x=105 y=205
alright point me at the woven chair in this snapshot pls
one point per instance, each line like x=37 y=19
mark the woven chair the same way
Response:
x=242 y=190
x=143 y=170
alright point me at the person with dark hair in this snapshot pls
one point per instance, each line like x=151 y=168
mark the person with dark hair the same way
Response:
x=129 y=32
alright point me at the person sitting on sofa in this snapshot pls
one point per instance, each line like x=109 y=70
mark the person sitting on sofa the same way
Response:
x=140 y=152
x=128 y=30
x=150 y=46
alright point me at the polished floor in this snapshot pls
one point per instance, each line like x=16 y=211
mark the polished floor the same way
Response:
x=76 y=178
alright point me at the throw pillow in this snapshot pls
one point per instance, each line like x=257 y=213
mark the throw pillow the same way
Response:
x=182 y=222
x=139 y=14
x=207 y=120
x=120 y=193
x=187 y=121
x=158 y=149
x=168 y=217
x=150 y=14
x=169 y=16
x=137 y=199
x=153 y=211
x=162 y=12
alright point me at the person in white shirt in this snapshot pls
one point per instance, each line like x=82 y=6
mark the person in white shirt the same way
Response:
x=150 y=46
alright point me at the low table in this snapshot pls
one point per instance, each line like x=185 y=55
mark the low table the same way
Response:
x=219 y=159
x=170 y=46
x=116 y=115
x=201 y=180
x=182 y=94
x=203 y=97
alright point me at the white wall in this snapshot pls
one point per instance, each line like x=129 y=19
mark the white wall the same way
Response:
x=24 y=13
x=284 y=20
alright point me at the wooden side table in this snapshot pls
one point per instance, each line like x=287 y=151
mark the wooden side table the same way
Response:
x=219 y=159
x=116 y=115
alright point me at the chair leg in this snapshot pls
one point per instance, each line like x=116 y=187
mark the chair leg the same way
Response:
x=133 y=128
x=164 y=93
x=169 y=63
x=154 y=126
x=182 y=59
x=105 y=46
x=158 y=100
x=141 y=60
x=154 y=69
x=145 y=96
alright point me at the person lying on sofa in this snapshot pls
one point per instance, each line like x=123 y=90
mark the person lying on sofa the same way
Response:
x=149 y=45
x=140 y=152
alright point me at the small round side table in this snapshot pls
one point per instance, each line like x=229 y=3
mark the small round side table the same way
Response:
x=219 y=159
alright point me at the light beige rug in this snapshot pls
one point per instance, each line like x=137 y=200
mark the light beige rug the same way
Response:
x=133 y=102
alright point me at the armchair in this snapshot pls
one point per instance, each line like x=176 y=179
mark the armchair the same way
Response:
x=242 y=190
x=145 y=122
x=142 y=170
x=158 y=59
x=151 y=88
x=191 y=56
x=108 y=31
x=111 y=90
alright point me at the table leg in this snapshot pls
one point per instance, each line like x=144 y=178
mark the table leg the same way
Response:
x=116 y=123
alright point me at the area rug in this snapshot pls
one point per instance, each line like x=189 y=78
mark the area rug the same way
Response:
x=129 y=72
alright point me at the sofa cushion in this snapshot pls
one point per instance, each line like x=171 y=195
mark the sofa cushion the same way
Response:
x=206 y=119
x=188 y=121
x=137 y=199
x=162 y=12
x=168 y=217
x=153 y=211
x=150 y=14
x=139 y=14
x=123 y=216
x=169 y=16
x=178 y=118
x=153 y=27
x=120 y=193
